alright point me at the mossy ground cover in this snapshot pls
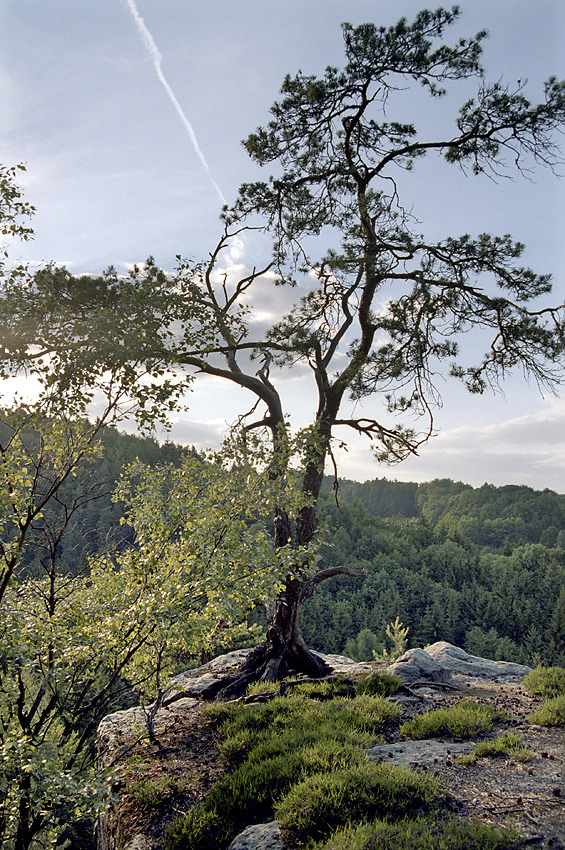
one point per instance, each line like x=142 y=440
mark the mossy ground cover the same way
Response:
x=303 y=760
x=422 y=833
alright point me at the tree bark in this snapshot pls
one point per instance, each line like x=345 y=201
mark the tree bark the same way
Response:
x=284 y=650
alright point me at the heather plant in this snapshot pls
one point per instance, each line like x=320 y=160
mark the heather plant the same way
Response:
x=422 y=833
x=321 y=803
x=545 y=681
x=504 y=746
x=273 y=746
x=551 y=713
x=463 y=720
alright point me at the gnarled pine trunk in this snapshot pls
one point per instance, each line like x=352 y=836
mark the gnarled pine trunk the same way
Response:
x=284 y=650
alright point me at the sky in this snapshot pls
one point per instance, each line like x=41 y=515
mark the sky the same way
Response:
x=129 y=116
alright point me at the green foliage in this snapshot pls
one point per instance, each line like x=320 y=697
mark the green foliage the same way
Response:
x=440 y=589
x=422 y=833
x=362 y=647
x=551 y=713
x=504 y=746
x=463 y=720
x=74 y=643
x=321 y=803
x=383 y=684
x=397 y=634
x=545 y=681
x=107 y=335
x=274 y=746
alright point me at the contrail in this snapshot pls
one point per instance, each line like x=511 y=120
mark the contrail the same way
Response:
x=157 y=60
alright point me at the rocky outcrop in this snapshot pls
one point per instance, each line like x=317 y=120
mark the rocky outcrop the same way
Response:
x=438 y=664
x=442 y=662
x=417 y=665
x=460 y=663
x=196 y=683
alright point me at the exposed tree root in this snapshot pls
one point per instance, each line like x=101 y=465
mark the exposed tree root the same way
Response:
x=262 y=665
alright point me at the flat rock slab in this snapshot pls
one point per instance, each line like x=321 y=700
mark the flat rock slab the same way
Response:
x=418 y=753
x=260 y=836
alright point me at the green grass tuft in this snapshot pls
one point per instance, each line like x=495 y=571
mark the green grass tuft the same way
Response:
x=382 y=684
x=545 y=681
x=505 y=746
x=551 y=713
x=463 y=720
x=420 y=834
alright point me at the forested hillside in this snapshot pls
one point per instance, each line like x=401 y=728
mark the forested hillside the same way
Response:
x=497 y=517
x=482 y=568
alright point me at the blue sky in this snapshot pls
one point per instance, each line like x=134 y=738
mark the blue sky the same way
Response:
x=115 y=174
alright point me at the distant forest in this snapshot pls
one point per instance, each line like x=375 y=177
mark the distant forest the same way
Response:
x=483 y=568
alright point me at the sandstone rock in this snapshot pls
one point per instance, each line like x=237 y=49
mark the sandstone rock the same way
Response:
x=459 y=662
x=417 y=753
x=193 y=683
x=260 y=836
x=417 y=665
x=343 y=664
x=141 y=842
x=118 y=730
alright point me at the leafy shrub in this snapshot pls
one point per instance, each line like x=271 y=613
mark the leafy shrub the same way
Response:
x=382 y=684
x=321 y=803
x=545 y=681
x=420 y=834
x=551 y=713
x=463 y=720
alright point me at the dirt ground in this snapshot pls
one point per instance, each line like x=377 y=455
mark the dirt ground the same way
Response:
x=500 y=791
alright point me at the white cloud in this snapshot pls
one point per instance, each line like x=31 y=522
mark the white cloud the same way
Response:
x=523 y=450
